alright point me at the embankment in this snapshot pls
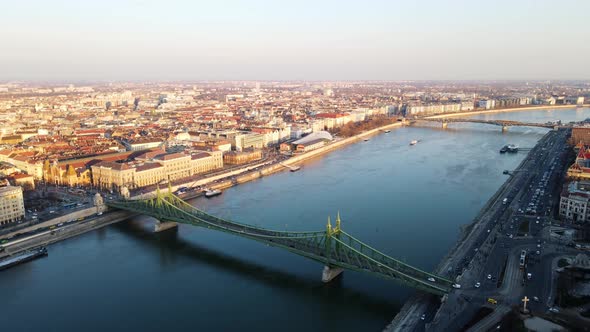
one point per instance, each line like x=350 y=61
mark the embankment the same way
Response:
x=245 y=174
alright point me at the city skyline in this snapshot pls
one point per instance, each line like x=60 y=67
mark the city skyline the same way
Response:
x=260 y=40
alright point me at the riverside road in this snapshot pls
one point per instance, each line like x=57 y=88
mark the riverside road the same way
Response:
x=516 y=218
x=511 y=224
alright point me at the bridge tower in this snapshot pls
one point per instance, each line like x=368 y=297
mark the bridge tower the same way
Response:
x=330 y=272
x=162 y=225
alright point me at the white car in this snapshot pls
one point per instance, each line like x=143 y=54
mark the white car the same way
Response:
x=457 y=286
x=431 y=279
x=489 y=277
x=423 y=317
x=477 y=284
x=554 y=310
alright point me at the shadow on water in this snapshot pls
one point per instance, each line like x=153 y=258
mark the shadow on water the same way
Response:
x=170 y=245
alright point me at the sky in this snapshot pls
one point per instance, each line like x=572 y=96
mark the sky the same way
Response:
x=136 y=40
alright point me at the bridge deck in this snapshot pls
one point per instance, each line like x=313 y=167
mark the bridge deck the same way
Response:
x=332 y=247
x=503 y=123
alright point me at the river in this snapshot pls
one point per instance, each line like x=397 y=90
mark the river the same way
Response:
x=408 y=201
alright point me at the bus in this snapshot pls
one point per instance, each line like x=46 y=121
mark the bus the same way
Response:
x=522 y=259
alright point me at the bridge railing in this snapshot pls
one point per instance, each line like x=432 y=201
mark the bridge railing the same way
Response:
x=383 y=258
x=237 y=227
x=374 y=265
x=339 y=248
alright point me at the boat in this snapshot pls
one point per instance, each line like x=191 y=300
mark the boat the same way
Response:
x=212 y=193
x=366 y=139
x=413 y=142
x=387 y=131
x=504 y=149
x=23 y=257
x=294 y=168
x=512 y=148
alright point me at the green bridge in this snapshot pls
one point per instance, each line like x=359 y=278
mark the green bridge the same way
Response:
x=333 y=247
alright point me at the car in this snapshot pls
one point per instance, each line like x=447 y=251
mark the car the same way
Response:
x=52 y=211
x=477 y=284
x=492 y=301
x=538 y=246
x=489 y=277
x=536 y=299
x=457 y=286
x=99 y=214
x=60 y=224
x=423 y=317
x=529 y=276
x=538 y=252
x=431 y=279
x=554 y=310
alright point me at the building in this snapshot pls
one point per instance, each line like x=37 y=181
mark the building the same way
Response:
x=12 y=207
x=310 y=145
x=154 y=167
x=242 y=157
x=580 y=170
x=573 y=206
x=249 y=140
x=144 y=144
x=580 y=135
x=487 y=104
x=202 y=161
x=433 y=109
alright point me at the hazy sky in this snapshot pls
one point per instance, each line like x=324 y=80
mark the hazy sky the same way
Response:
x=295 y=39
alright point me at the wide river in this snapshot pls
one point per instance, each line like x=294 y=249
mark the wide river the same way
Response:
x=407 y=201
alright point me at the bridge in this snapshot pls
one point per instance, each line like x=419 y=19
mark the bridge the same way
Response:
x=503 y=123
x=333 y=247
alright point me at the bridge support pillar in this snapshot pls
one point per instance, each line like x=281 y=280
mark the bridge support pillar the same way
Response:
x=330 y=272
x=161 y=226
x=445 y=125
x=504 y=128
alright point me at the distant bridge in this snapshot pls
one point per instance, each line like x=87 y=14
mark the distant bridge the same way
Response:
x=503 y=123
x=333 y=247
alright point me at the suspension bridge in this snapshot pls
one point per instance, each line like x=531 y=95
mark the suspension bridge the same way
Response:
x=502 y=123
x=333 y=247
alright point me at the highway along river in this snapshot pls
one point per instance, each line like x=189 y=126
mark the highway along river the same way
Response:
x=408 y=201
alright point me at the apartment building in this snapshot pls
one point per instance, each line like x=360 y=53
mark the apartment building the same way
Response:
x=12 y=208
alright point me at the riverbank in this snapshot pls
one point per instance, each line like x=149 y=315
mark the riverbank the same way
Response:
x=245 y=174
x=469 y=237
x=219 y=181
x=506 y=110
x=66 y=232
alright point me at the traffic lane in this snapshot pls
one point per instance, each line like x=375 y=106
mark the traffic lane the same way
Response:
x=540 y=284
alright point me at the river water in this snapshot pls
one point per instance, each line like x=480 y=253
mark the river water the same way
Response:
x=407 y=201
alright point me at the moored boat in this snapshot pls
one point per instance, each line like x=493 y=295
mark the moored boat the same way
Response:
x=26 y=256
x=414 y=142
x=211 y=193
